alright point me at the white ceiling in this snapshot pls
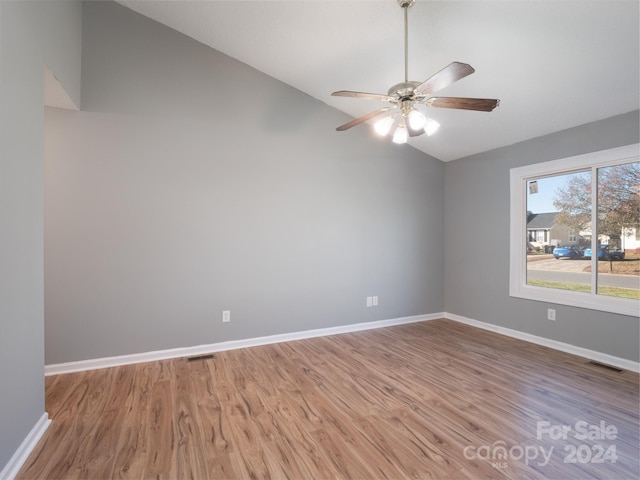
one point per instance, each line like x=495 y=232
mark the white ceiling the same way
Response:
x=553 y=64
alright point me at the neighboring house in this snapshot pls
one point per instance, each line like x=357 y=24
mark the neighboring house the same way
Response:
x=543 y=230
x=630 y=239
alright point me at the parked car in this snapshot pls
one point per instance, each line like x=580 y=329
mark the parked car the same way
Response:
x=567 y=251
x=616 y=254
x=604 y=253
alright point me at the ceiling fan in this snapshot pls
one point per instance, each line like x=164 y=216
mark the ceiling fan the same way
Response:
x=406 y=95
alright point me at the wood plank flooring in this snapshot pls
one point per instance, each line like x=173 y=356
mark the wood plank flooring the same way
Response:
x=432 y=400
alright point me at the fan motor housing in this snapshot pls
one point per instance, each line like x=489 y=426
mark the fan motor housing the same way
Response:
x=406 y=3
x=403 y=90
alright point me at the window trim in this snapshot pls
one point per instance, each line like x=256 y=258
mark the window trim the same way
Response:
x=518 y=231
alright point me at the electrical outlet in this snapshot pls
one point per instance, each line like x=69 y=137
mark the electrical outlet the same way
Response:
x=375 y=301
x=369 y=301
x=226 y=316
x=551 y=314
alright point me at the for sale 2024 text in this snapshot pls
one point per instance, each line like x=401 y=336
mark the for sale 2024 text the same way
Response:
x=588 y=452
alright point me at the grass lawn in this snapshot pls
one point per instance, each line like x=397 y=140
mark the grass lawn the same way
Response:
x=609 y=291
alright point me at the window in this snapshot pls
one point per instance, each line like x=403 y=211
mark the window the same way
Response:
x=590 y=207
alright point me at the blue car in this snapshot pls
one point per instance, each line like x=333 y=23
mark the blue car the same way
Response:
x=567 y=251
x=605 y=254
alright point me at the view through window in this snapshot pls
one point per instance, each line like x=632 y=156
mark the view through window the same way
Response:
x=558 y=220
x=576 y=231
x=560 y=232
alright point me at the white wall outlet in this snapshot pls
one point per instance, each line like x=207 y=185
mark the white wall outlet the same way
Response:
x=375 y=301
x=226 y=316
x=551 y=314
x=369 y=301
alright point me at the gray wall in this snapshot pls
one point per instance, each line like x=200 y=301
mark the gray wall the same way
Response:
x=172 y=197
x=191 y=183
x=477 y=241
x=32 y=34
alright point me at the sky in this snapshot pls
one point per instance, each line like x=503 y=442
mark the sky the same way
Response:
x=542 y=201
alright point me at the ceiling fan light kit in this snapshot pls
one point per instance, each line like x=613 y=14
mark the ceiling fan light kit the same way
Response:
x=383 y=126
x=404 y=97
x=417 y=120
x=401 y=134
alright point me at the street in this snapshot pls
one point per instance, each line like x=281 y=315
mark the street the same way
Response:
x=570 y=271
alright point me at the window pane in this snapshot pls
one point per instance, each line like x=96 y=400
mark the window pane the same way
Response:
x=563 y=188
x=618 y=224
x=558 y=207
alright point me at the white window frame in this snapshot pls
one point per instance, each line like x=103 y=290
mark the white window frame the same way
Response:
x=518 y=231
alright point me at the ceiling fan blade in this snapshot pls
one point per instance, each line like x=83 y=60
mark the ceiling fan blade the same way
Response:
x=367 y=96
x=480 y=104
x=362 y=119
x=445 y=77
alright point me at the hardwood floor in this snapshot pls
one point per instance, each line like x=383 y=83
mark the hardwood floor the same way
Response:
x=430 y=400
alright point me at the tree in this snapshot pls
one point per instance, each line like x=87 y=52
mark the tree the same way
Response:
x=574 y=202
x=618 y=200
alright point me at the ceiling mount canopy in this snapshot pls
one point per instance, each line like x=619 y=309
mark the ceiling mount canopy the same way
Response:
x=404 y=97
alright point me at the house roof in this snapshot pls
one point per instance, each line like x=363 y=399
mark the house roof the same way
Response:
x=553 y=65
x=538 y=221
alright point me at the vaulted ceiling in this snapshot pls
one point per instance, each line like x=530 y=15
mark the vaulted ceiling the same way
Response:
x=553 y=64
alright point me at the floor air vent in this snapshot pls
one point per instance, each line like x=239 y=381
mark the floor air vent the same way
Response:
x=199 y=357
x=608 y=367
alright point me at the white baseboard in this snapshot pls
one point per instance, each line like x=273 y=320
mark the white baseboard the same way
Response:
x=15 y=463
x=107 y=362
x=94 y=364
x=563 y=347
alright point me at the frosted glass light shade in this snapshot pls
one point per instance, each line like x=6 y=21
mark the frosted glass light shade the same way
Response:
x=417 y=120
x=383 y=126
x=431 y=126
x=401 y=134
